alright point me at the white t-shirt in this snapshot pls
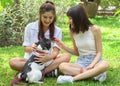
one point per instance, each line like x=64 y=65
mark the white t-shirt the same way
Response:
x=31 y=36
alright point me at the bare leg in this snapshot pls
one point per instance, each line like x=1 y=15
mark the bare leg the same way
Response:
x=17 y=63
x=66 y=68
x=59 y=59
x=98 y=69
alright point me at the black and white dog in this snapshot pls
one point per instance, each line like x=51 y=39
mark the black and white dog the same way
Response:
x=32 y=70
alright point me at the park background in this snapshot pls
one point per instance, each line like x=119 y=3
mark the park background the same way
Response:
x=16 y=14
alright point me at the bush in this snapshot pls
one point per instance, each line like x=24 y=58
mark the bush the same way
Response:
x=109 y=3
x=13 y=20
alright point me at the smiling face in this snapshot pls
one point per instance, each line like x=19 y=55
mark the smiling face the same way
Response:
x=47 y=18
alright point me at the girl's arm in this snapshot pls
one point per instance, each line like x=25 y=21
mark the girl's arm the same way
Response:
x=30 y=48
x=66 y=48
x=98 y=43
x=46 y=57
x=54 y=53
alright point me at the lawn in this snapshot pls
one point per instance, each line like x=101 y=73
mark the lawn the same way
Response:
x=110 y=27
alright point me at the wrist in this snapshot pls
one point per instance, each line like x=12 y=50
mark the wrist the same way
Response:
x=30 y=49
x=64 y=47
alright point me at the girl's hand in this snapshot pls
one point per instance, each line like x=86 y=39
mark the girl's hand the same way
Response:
x=59 y=43
x=42 y=58
x=90 y=66
x=33 y=47
x=84 y=70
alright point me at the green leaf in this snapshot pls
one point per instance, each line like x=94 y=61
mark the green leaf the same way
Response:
x=4 y=3
x=117 y=12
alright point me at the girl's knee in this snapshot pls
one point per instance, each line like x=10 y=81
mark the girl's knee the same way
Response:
x=104 y=65
x=66 y=57
x=62 y=66
x=12 y=61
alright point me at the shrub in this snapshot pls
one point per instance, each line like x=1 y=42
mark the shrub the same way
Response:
x=13 y=20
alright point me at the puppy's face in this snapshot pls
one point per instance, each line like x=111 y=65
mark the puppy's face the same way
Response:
x=44 y=45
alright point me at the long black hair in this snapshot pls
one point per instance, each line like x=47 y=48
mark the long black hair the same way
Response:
x=48 y=6
x=79 y=18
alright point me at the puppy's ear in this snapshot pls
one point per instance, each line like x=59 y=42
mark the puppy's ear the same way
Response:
x=37 y=43
x=48 y=44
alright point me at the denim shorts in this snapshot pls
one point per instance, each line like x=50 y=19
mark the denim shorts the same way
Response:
x=85 y=60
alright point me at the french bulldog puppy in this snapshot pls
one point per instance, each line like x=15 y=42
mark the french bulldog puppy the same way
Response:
x=32 y=70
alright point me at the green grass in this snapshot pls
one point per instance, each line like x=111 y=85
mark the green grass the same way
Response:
x=110 y=28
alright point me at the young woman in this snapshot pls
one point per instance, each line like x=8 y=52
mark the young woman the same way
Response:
x=87 y=43
x=44 y=27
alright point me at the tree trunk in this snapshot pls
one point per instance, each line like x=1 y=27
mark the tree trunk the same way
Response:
x=16 y=1
x=91 y=7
